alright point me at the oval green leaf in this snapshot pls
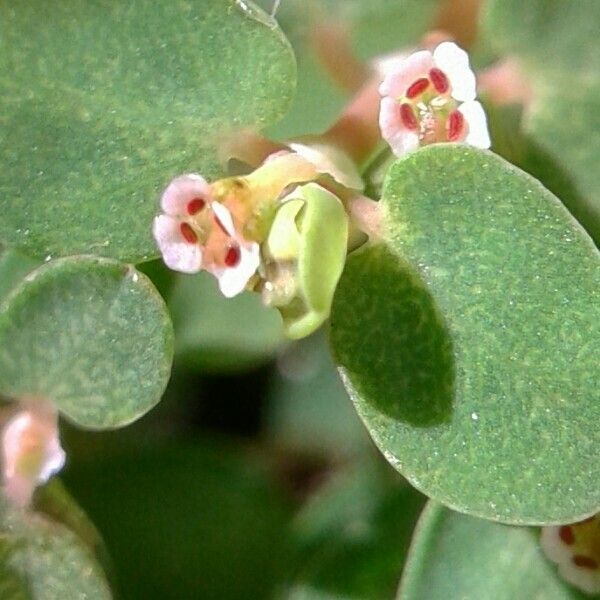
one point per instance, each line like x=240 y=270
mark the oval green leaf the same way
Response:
x=455 y=557
x=43 y=560
x=103 y=103
x=469 y=341
x=92 y=335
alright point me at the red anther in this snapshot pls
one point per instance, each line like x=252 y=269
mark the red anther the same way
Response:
x=585 y=562
x=232 y=256
x=439 y=80
x=455 y=125
x=195 y=206
x=408 y=118
x=189 y=235
x=566 y=535
x=417 y=88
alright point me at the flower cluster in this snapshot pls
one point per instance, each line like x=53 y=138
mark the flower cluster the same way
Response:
x=429 y=97
x=227 y=227
x=575 y=549
x=284 y=229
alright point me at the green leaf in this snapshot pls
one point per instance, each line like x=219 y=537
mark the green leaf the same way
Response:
x=206 y=517
x=469 y=342
x=13 y=267
x=42 y=560
x=103 y=103
x=216 y=334
x=558 y=46
x=355 y=533
x=91 y=335
x=455 y=557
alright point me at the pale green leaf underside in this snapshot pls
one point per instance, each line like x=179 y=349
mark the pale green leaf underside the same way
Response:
x=102 y=103
x=473 y=358
x=558 y=45
x=41 y=560
x=91 y=335
x=455 y=557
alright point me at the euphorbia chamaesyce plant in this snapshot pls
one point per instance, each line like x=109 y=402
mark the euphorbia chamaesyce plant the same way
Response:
x=439 y=234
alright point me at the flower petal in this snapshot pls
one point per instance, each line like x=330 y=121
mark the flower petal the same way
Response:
x=454 y=62
x=224 y=217
x=177 y=254
x=582 y=578
x=405 y=72
x=394 y=132
x=180 y=191
x=330 y=161
x=477 y=129
x=553 y=546
x=233 y=280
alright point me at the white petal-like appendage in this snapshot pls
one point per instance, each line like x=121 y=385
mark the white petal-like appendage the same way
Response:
x=393 y=131
x=177 y=254
x=454 y=62
x=224 y=216
x=552 y=546
x=181 y=191
x=330 y=161
x=405 y=72
x=477 y=129
x=233 y=280
x=584 y=579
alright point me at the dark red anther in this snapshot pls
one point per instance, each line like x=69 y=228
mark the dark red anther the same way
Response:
x=195 y=206
x=566 y=535
x=439 y=80
x=455 y=125
x=232 y=256
x=189 y=235
x=417 y=88
x=408 y=118
x=586 y=562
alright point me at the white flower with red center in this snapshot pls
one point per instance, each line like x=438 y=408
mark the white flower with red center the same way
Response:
x=198 y=233
x=429 y=97
x=31 y=451
x=575 y=548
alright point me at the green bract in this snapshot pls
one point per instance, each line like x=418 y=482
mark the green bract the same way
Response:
x=468 y=339
x=310 y=231
x=91 y=335
x=103 y=103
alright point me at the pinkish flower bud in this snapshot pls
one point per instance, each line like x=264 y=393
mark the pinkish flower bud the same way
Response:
x=31 y=451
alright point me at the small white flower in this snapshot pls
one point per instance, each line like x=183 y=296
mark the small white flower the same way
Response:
x=421 y=101
x=31 y=451
x=575 y=548
x=177 y=241
x=245 y=260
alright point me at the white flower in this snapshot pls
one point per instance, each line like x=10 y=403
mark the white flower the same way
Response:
x=176 y=238
x=575 y=549
x=31 y=451
x=430 y=97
